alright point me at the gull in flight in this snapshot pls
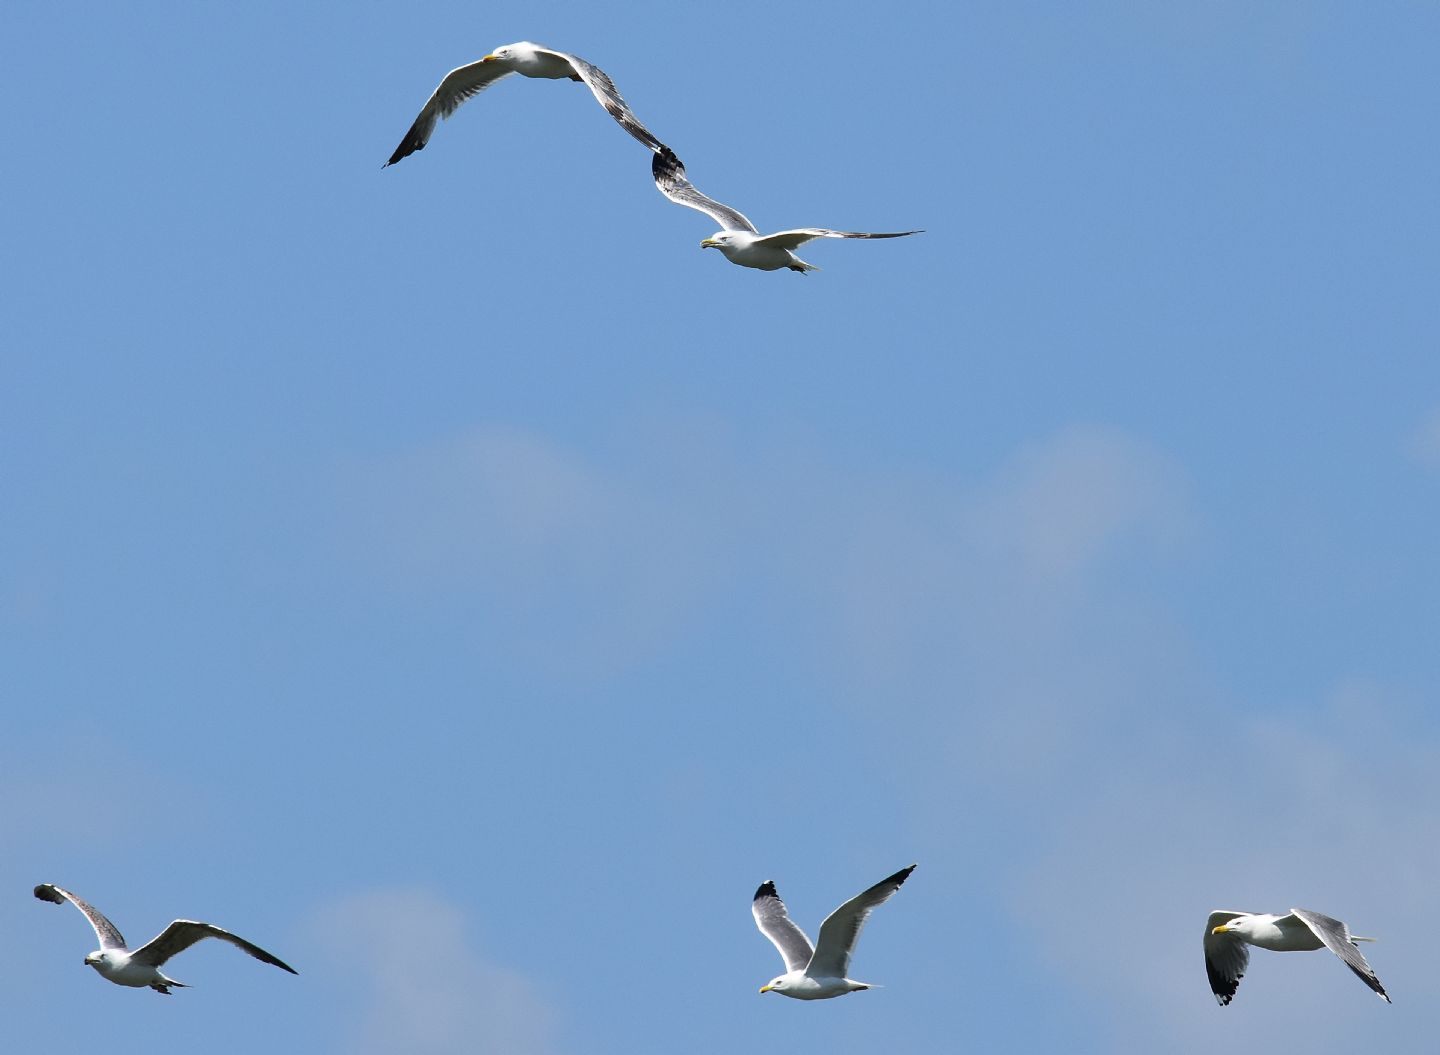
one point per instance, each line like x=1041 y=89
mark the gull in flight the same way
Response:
x=528 y=60
x=738 y=238
x=1228 y=936
x=819 y=972
x=141 y=967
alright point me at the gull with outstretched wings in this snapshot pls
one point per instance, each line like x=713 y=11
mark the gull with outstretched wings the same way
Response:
x=141 y=967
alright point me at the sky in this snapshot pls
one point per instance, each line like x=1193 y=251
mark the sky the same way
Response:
x=453 y=579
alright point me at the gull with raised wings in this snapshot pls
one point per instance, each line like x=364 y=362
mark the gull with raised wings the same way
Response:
x=819 y=972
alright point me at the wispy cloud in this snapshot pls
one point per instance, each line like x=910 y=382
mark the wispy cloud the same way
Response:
x=423 y=985
x=626 y=555
x=556 y=546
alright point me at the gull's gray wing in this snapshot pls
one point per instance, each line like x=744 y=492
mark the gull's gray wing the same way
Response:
x=1226 y=956
x=459 y=84
x=841 y=928
x=670 y=177
x=1336 y=937
x=110 y=938
x=599 y=83
x=775 y=923
x=184 y=933
x=801 y=235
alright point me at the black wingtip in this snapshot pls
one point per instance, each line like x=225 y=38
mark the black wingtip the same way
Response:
x=767 y=889
x=1223 y=988
x=46 y=892
x=403 y=151
x=665 y=165
x=902 y=875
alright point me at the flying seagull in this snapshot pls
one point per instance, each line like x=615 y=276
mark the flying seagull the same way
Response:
x=1228 y=935
x=528 y=60
x=818 y=973
x=141 y=967
x=738 y=239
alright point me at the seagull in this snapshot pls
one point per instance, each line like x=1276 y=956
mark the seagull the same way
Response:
x=818 y=973
x=141 y=967
x=1227 y=935
x=738 y=238
x=528 y=60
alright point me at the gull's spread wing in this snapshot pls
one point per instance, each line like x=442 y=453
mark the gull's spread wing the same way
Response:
x=1336 y=937
x=801 y=235
x=841 y=928
x=459 y=84
x=670 y=177
x=110 y=937
x=184 y=933
x=775 y=923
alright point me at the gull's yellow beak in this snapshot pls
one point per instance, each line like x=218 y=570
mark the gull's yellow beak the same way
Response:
x=710 y=243
x=490 y=57
x=763 y=988
x=1222 y=929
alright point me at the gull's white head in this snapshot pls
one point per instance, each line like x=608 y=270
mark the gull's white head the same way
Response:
x=775 y=984
x=718 y=240
x=509 y=51
x=97 y=959
x=1239 y=925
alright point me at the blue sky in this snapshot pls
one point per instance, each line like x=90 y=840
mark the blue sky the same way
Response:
x=458 y=582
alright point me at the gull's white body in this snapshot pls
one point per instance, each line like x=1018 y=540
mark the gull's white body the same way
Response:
x=819 y=972
x=116 y=965
x=1228 y=935
x=800 y=986
x=758 y=251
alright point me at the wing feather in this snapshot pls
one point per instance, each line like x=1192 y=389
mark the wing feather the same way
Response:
x=110 y=937
x=460 y=84
x=801 y=235
x=1336 y=936
x=775 y=923
x=184 y=933
x=841 y=929
x=603 y=88
x=1226 y=956
x=670 y=178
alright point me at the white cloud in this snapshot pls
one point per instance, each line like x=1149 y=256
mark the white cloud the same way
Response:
x=424 y=987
